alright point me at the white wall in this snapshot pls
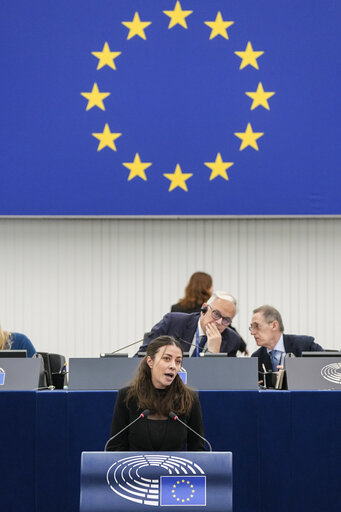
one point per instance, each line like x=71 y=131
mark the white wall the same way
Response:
x=81 y=287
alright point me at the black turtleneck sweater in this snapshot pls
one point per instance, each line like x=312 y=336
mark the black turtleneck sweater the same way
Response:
x=154 y=435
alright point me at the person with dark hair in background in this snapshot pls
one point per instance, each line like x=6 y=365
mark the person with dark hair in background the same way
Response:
x=207 y=331
x=159 y=389
x=16 y=341
x=198 y=290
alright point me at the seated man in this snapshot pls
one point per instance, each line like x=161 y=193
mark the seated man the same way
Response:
x=205 y=331
x=268 y=330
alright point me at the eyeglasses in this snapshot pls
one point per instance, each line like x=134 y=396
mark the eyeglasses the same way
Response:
x=257 y=327
x=216 y=315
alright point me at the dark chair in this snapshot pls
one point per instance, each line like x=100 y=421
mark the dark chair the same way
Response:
x=53 y=366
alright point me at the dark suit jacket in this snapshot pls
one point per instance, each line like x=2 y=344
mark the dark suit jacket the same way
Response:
x=293 y=344
x=177 y=308
x=182 y=327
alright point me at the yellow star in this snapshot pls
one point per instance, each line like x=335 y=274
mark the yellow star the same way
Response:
x=106 y=57
x=178 y=179
x=260 y=97
x=219 y=167
x=177 y=16
x=107 y=138
x=219 y=26
x=136 y=27
x=249 y=57
x=249 y=138
x=137 y=168
x=95 y=97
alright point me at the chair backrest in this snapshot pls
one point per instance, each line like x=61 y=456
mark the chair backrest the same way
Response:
x=57 y=362
x=53 y=364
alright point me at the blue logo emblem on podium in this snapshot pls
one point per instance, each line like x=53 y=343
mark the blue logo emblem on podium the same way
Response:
x=184 y=490
x=2 y=377
x=158 y=480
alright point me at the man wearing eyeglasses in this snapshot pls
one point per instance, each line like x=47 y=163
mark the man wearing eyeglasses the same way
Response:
x=207 y=331
x=268 y=330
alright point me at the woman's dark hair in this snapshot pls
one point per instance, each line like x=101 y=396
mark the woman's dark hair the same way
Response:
x=197 y=291
x=177 y=397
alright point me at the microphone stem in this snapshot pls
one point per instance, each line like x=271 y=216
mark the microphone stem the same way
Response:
x=118 y=433
x=126 y=346
x=185 y=424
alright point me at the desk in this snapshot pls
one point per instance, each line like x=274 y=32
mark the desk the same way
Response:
x=286 y=446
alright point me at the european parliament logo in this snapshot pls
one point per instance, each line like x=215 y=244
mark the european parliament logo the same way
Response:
x=332 y=373
x=158 y=480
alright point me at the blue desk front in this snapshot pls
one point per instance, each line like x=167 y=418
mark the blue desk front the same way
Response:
x=286 y=446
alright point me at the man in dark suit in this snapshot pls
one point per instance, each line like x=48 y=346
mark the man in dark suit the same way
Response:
x=268 y=330
x=205 y=331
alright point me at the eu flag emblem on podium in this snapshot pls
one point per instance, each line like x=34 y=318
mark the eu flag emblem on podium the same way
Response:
x=183 y=490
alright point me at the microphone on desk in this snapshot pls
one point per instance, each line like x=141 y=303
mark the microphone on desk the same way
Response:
x=143 y=414
x=122 y=348
x=180 y=340
x=141 y=341
x=174 y=417
x=206 y=351
x=143 y=353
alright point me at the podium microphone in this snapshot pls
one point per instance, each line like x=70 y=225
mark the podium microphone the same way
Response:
x=143 y=414
x=174 y=417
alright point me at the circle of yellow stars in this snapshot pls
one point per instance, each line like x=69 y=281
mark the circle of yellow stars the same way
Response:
x=178 y=16
x=191 y=491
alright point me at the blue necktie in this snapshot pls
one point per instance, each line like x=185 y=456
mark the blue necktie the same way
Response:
x=275 y=356
x=202 y=343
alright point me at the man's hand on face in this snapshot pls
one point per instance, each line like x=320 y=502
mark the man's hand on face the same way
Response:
x=213 y=338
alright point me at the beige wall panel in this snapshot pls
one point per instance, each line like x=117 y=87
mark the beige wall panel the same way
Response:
x=81 y=287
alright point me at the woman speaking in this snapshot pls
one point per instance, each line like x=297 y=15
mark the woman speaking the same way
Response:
x=153 y=401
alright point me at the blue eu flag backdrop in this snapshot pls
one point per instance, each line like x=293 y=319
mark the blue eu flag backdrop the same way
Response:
x=170 y=107
x=183 y=490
